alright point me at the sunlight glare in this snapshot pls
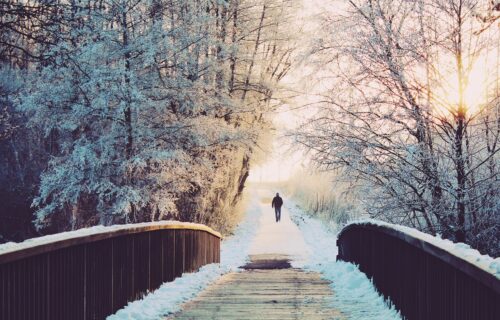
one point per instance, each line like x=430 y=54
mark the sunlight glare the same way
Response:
x=474 y=95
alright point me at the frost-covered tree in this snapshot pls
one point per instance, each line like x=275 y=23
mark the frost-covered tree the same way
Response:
x=153 y=107
x=410 y=116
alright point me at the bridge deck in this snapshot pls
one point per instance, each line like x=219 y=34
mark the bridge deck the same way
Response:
x=268 y=289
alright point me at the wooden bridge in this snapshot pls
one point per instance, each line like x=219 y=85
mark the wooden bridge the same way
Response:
x=268 y=289
x=90 y=276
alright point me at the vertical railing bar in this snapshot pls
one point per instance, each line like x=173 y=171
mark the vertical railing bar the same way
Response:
x=85 y=281
x=149 y=260
x=47 y=279
x=112 y=274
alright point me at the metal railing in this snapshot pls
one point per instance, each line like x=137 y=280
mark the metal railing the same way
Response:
x=92 y=276
x=422 y=280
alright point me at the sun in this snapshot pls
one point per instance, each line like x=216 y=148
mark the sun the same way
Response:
x=475 y=92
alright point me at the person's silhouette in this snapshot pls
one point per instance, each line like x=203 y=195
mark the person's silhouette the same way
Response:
x=276 y=204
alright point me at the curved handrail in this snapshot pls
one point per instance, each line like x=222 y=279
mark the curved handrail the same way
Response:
x=474 y=270
x=54 y=242
x=421 y=274
x=90 y=273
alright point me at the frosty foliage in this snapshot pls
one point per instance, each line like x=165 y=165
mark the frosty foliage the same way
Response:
x=8 y=86
x=411 y=113
x=333 y=204
x=153 y=108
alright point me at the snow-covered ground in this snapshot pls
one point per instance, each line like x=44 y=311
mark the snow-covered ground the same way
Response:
x=354 y=294
x=283 y=238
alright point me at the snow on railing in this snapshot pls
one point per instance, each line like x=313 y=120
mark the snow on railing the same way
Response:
x=425 y=277
x=63 y=239
x=90 y=273
x=460 y=250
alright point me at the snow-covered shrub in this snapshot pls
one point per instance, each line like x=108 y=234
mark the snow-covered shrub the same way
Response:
x=318 y=194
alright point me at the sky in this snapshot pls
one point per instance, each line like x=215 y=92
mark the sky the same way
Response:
x=283 y=161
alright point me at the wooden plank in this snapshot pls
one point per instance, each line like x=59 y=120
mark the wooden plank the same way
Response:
x=266 y=293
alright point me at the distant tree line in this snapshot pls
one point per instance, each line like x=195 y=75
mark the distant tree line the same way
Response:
x=123 y=111
x=411 y=117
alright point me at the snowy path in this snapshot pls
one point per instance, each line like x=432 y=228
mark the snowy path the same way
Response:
x=277 y=294
x=342 y=291
x=269 y=288
x=282 y=238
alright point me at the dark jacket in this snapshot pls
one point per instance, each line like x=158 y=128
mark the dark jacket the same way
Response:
x=277 y=202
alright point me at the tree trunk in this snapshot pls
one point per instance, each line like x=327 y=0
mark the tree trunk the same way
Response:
x=254 y=54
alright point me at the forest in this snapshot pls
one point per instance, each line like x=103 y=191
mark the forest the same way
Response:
x=124 y=111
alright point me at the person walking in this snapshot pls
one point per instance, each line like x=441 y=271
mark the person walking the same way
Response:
x=276 y=204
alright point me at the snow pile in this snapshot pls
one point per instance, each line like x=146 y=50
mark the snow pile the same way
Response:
x=53 y=238
x=170 y=296
x=460 y=250
x=354 y=294
x=235 y=249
